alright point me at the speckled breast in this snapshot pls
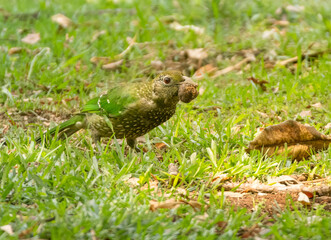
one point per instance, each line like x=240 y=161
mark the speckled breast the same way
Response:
x=133 y=125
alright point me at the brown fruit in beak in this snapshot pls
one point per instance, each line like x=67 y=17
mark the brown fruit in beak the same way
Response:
x=188 y=90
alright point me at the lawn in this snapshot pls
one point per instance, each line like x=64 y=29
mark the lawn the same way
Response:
x=73 y=189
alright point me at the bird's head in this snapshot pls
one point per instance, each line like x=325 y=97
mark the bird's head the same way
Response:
x=166 y=86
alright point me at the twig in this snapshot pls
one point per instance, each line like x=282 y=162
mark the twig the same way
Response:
x=233 y=67
x=132 y=43
x=303 y=56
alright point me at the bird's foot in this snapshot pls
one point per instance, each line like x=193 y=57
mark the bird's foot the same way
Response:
x=132 y=142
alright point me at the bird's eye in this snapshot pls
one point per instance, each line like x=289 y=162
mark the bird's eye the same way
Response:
x=167 y=80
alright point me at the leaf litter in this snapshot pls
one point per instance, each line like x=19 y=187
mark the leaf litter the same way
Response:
x=290 y=138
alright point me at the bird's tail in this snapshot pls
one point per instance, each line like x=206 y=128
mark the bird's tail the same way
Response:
x=65 y=129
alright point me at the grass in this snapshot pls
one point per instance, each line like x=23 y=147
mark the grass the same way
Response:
x=71 y=191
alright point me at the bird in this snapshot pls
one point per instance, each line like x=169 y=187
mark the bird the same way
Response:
x=129 y=111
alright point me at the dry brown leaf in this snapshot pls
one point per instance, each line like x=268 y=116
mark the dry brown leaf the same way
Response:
x=208 y=69
x=282 y=23
x=62 y=20
x=194 y=204
x=268 y=34
x=317 y=105
x=221 y=225
x=309 y=194
x=172 y=203
x=220 y=177
x=303 y=198
x=31 y=38
x=264 y=115
x=259 y=82
x=133 y=182
x=161 y=145
x=113 y=65
x=151 y=185
x=304 y=114
x=168 y=204
x=249 y=232
x=295 y=8
x=16 y=50
x=299 y=140
x=8 y=229
x=197 y=53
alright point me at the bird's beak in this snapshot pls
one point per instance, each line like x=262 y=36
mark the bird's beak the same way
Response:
x=188 y=80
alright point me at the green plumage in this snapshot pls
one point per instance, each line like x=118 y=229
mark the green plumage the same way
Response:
x=130 y=111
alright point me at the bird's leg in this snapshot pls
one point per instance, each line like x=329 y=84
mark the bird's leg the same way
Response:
x=96 y=138
x=132 y=142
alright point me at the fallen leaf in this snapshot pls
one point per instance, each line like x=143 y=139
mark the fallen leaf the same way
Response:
x=62 y=20
x=220 y=177
x=161 y=145
x=8 y=229
x=221 y=225
x=264 y=115
x=282 y=23
x=299 y=140
x=317 y=105
x=31 y=38
x=133 y=182
x=304 y=114
x=197 y=53
x=208 y=69
x=249 y=232
x=303 y=198
x=113 y=65
x=194 y=204
x=267 y=34
x=259 y=82
x=16 y=50
x=172 y=204
x=168 y=204
x=151 y=185
x=295 y=8
x=309 y=194
x=185 y=28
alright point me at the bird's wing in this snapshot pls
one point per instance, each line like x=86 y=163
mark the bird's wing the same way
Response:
x=113 y=103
